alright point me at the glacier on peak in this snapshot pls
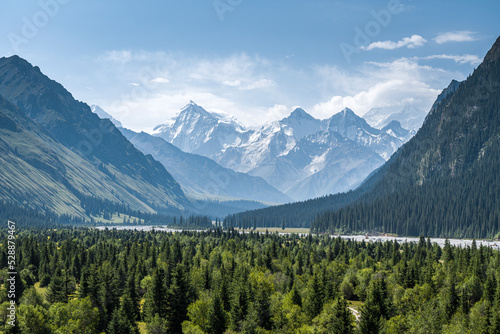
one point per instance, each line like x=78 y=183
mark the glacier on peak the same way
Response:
x=300 y=155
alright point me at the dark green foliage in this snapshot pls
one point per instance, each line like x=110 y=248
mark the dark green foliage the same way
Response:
x=370 y=319
x=156 y=297
x=120 y=324
x=56 y=292
x=215 y=281
x=179 y=298
x=342 y=318
x=314 y=297
x=336 y=318
x=216 y=317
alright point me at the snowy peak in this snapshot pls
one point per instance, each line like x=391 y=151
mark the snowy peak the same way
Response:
x=298 y=114
x=301 y=123
x=104 y=115
x=410 y=117
x=355 y=128
x=196 y=130
x=395 y=129
x=192 y=110
x=346 y=120
x=346 y=112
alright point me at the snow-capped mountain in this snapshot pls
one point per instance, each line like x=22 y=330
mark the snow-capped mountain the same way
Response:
x=195 y=130
x=104 y=115
x=355 y=128
x=302 y=124
x=300 y=155
x=322 y=163
x=410 y=118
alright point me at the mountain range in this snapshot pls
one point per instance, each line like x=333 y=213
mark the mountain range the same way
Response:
x=301 y=156
x=443 y=182
x=201 y=177
x=62 y=156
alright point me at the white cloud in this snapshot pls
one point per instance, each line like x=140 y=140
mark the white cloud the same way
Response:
x=393 y=95
x=459 y=59
x=391 y=86
x=276 y=112
x=455 y=36
x=118 y=56
x=160 y=80
x=213 y=83
x=232 y=83
x=410 y=42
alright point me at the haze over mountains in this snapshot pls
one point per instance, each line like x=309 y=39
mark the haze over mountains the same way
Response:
x=201 y=177
x=301 y=156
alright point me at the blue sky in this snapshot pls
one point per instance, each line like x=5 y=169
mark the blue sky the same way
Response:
x=256 y=60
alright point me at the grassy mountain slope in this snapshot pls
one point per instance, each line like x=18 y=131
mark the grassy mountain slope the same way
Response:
x=40 y=173
x=55 y=149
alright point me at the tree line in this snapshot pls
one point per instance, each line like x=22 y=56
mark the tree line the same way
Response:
x=228 y=282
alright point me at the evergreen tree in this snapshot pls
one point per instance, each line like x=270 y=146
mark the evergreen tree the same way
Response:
x=295 y=296
x=342 y=323
x=239 y=305
x=156 y=297
x=216 y=316
x=56 y=292
x=370 y=319
x=451 y=297
x=120 y=324
x=131 y=291
x=109 y=293
x=314 y=298
x=179 y=298
x=262 y=307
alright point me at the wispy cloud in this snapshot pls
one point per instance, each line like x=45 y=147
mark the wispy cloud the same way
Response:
x=456 y=36
x=410 y=42
x=161 y=83
x=459 y=59
x=160 y=80
x=257 y=90
x=392 y=86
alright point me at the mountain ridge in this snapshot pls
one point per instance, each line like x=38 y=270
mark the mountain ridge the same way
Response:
x=106 y=153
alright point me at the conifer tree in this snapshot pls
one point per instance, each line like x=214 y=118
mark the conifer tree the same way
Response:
x=342 y=323
x=314 y=298
x=370 y=318
x=156 y=297
x=178 y=300
x=56 y=292
x=120 y=324
x=216 y=316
